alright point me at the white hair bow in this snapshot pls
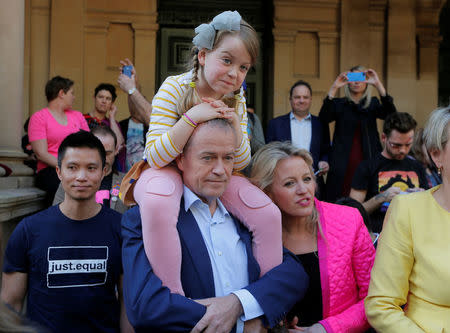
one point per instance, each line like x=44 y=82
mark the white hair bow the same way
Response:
x=206 y=32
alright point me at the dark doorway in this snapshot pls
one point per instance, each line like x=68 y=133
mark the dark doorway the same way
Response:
x=177 y=21
x=444 y=56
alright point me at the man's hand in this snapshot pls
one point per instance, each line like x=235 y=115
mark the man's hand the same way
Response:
x=292 y=325
x=221 y=314
x=254 y=326
x=316 y=328
x=126 y=83
x=324 y=167
x=389 y=194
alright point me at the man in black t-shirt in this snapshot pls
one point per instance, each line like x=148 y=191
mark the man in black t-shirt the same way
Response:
x=378 y=180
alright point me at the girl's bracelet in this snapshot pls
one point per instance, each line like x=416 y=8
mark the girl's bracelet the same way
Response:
x=189 y=122
x=193 y=122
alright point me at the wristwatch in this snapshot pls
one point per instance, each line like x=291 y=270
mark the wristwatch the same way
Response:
x=131 y=91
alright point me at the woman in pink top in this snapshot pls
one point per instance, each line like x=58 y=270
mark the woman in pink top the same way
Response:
x=330 y=240
x=49 y=127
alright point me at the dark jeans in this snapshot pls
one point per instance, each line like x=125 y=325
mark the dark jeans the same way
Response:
x=48 y=181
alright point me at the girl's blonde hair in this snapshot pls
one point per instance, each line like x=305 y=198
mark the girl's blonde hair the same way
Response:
x=250 y=39
x=367 y=93
x=263 y=167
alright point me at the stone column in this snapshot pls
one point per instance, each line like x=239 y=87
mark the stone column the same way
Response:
x=12 y=26
x=355 y=34
x=17 y=196
x=401 y=54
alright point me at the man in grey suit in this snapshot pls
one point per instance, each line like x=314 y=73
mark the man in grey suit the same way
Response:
x=108 y=194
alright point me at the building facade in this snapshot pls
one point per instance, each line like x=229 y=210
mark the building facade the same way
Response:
x=313 y=40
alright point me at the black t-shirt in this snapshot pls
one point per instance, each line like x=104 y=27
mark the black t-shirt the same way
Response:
x=379 y=174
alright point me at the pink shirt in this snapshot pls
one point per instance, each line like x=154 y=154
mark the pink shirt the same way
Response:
x=44 y=126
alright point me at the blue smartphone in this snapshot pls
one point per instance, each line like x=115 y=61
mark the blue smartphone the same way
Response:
x=356 y=76
x=127 y=70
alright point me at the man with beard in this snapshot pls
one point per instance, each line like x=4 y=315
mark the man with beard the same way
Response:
x=378 y=180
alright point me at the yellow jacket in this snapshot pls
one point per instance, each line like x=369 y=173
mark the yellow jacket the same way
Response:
x=412 y=267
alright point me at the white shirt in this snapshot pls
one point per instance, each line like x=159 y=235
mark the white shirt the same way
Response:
x=227 y=254
x=301 y=131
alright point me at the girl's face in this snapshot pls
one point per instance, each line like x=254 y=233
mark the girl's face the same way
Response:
x=293 y=187
x=224 y=68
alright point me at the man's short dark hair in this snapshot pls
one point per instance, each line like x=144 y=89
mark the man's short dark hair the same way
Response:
x=107 y=87
x=104 y=131
x=300 y=83
x=402 y=122
x=54 y=85
x=81 y=139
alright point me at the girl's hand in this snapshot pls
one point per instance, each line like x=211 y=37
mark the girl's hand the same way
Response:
x=235 y=121
x=340 y=81
x=205 y=111
x=214 y=102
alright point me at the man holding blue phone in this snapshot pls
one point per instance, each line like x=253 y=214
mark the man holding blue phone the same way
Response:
x=140 y=108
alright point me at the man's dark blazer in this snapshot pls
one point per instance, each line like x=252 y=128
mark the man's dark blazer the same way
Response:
x=279 y=129
x=151 y=307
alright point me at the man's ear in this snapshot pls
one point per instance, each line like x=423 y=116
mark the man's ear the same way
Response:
x=61 y=93
x=58 y=172
x=180 y=162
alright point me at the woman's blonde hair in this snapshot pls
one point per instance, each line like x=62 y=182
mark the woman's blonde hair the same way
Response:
x=367 y=93
x=250 y=39
x=265 y=161
x=435 y=133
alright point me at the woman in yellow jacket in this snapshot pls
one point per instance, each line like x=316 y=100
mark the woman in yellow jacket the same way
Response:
x=409 y=289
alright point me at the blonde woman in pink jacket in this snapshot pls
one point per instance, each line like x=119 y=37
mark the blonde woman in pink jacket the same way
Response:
x=330 y=240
